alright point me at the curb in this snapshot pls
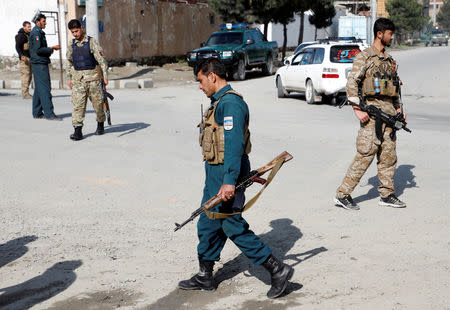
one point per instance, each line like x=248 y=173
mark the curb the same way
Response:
x=115 y=84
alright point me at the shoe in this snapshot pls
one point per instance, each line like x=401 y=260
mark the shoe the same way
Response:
x=77 y=135
x=391 y=201
x=54 y=118
x=280 y=274
x=39 y=116
x=346 y=203
x=100 y=128
x=27 y=96
x=203 y=280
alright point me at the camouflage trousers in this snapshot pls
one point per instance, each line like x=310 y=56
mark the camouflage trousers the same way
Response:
x=81 y=91
x=367 y=146
x=25 y=71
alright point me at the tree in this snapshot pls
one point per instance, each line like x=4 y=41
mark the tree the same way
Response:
x=283 y=13
x=323 y=13
x=261 y=11
x=231 y=10
x=406 y=15
x=301 y=6
x=443 y=17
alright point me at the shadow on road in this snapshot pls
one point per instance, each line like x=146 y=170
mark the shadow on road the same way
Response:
x=126 y=129
x=2 y=94
x=61 y=96
x=14 y=249
x=404 y=178
x=38 y=289
x=134 y=75
x=281 y=239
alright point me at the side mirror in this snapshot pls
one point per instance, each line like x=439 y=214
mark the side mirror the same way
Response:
x=287 y=62
x=249 y=42
x=202 y=44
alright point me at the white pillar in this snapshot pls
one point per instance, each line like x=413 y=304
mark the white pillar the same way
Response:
x=373 y=18
x=434 y=12
x=92 y=18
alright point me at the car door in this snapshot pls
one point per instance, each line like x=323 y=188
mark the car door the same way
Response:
x=301 y=71
x=260 y=45
x=251 y=48
x=291 y=70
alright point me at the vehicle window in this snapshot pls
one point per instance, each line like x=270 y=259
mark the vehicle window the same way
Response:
x=308 y=57
x=225 y=38
x=437 y=32
x=318 y=56
x=301 y=46
x=257 y=36
x=344 y=53
x=297 y=59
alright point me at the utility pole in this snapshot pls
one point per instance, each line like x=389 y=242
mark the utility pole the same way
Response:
x=92 y=18
x=373 y=18
x=434 y=13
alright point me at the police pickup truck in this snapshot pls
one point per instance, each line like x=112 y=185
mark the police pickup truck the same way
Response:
x=240 y=48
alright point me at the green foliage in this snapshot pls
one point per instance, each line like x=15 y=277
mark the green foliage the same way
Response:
x=443 y=17
x=406 y=15
x=232 y=10
x=324 y=12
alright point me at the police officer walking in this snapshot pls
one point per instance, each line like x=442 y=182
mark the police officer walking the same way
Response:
x=374 y=138
x=84 y=55
x=40 y=59
x=23 y=49
x=225 y=145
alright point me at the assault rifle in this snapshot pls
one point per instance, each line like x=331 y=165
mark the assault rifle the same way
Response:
x=252 y=177
x=396 y=122
x=105 y=96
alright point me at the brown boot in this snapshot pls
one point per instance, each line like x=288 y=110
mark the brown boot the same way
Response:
x=27 y=96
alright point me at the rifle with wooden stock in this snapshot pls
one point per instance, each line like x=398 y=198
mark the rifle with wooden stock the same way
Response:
x=252 y=177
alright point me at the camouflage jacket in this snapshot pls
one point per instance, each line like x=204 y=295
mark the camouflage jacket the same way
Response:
x=87 y=75
x=361 y=64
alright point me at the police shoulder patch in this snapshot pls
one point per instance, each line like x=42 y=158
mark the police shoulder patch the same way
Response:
x=228 y=122
x=37 y=38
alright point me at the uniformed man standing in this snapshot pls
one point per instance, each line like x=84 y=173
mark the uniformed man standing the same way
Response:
x=23 y=49
x=40 y=59
x=225 y=145
x=84 y=55
x=372 y=76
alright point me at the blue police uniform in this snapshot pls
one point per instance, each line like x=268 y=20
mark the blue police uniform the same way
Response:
x=40 y=58
x=213 y=234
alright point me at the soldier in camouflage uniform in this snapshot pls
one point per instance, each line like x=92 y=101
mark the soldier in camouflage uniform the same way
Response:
x=369 y=65
x=23 y=50
x=84 y=55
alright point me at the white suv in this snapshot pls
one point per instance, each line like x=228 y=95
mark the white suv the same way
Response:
x=319 y=70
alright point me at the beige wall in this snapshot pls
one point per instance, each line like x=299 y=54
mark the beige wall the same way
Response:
x=140 y=30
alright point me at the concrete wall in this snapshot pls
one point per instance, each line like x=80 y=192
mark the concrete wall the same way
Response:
x=142 y=30
x=15 y=12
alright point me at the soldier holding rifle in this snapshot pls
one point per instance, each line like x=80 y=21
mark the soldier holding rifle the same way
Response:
x=225 y=143
x=84 y=55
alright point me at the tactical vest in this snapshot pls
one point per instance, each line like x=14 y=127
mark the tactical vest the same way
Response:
x=212 y=138
x=82 y=57
x=386 y=73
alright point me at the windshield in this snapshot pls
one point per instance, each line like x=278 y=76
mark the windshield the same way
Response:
x=225 y=38
x=437 y=32
x=344 y=53
x=301 y=46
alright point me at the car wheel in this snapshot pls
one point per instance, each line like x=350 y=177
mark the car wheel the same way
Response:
x=310 y=93
x=268 y=67
x=281 y=91
x=239 y=72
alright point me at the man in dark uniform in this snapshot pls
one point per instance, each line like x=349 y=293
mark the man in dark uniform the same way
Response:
x=23 y=50
x=40 y=59
x=226 y=160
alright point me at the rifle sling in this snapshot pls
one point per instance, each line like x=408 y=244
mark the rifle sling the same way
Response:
x=251 y=202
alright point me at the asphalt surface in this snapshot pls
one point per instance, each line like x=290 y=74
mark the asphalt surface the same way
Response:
x=89 y=224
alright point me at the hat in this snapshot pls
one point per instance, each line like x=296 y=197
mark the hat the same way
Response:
x=37 y=16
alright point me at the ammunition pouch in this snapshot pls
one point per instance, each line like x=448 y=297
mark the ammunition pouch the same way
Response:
x=388 y=88
x=212 y=138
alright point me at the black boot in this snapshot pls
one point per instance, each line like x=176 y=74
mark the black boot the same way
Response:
x=100 y=128
x=77 y=135
x=280 y=274
x=203 y=280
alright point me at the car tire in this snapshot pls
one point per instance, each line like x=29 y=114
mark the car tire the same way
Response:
x=310 y=92
x=281 y=91
x=268 y=66
x=239 y=71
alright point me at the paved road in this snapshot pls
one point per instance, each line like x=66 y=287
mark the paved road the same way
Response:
x=89 y=223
